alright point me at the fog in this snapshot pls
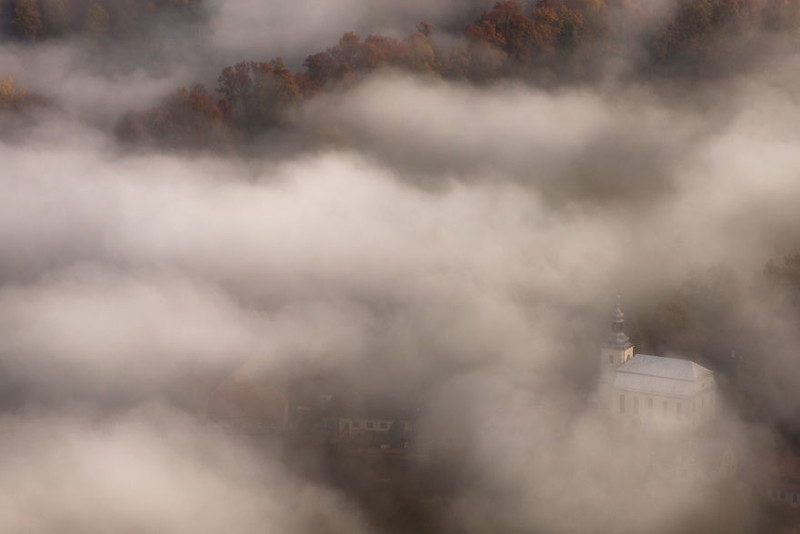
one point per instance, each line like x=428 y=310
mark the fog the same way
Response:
x=239 y=28
x=460 y=244
x=151 y=470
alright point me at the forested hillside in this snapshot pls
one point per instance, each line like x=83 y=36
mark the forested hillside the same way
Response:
x=549 y=43
x=553 y=43
x=42 y=20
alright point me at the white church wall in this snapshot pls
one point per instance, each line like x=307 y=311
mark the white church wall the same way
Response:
x=660 y=411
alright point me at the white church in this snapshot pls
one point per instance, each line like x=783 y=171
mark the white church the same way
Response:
x=652 y=391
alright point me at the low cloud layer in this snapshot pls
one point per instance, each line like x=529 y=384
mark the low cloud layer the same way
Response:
x=460 y=242
x=152 y=470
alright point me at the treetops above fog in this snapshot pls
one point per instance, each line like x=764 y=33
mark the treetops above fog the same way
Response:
x=548 y=43
x=52 y=19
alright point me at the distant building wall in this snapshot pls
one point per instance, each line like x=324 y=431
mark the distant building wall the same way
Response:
x=777 y=478
x=371 y=431
x=662 y=411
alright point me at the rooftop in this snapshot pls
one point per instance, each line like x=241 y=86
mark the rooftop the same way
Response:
x=662 y=376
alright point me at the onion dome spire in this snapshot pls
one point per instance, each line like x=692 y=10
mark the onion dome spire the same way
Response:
x=617 y=338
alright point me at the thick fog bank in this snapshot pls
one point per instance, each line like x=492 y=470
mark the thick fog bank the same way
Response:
x=152 y=470
x=462 y=243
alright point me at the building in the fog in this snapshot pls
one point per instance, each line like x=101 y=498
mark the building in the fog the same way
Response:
x=652 y=391
x=368 y=420
x=777 y=477
x=249 y=407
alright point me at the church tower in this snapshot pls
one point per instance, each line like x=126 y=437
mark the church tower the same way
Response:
x=616 y=350
x=618 y=347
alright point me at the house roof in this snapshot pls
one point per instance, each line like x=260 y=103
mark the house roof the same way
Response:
x=662 y=376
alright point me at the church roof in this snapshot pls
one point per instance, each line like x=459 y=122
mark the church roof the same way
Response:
x=662 y=376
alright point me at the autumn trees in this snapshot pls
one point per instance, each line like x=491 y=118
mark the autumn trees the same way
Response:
x=352 y=56
x=549 y=41
x=522 y=45
x=27 y=18
x=255 y=95
x=47 y=19
x=505 y=27
x=557 y=35
x=258 y=96
x=511 y=38
x=187 y=118
x=703 y=32
x=18 y=107
x=11 y=97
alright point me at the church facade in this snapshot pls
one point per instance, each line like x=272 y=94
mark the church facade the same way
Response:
x=652 y=391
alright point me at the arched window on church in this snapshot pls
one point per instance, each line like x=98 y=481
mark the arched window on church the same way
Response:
x=621 y=403
x=611 y=358
x=635 y=405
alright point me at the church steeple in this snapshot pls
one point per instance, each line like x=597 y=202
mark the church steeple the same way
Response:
x=617 y=348
x=617 y=338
